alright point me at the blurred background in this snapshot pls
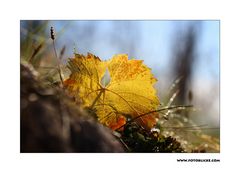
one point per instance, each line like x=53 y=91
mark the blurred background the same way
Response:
x=184 y=55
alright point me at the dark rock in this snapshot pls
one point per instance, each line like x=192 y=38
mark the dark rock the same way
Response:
x=51 y=122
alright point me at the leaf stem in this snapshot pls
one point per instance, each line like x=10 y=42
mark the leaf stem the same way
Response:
x=96 y=99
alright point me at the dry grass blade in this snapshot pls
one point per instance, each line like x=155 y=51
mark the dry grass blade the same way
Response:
x=55 y=52
x=35 y=52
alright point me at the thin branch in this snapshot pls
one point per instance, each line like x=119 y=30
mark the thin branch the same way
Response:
x=159 y=110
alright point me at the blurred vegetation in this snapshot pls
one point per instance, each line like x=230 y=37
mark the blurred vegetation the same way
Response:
x=175 y=131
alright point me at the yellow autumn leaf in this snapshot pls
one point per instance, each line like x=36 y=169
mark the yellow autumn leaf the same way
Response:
x=129 y=92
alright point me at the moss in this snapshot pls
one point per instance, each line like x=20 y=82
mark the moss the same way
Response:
x=139 y=140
